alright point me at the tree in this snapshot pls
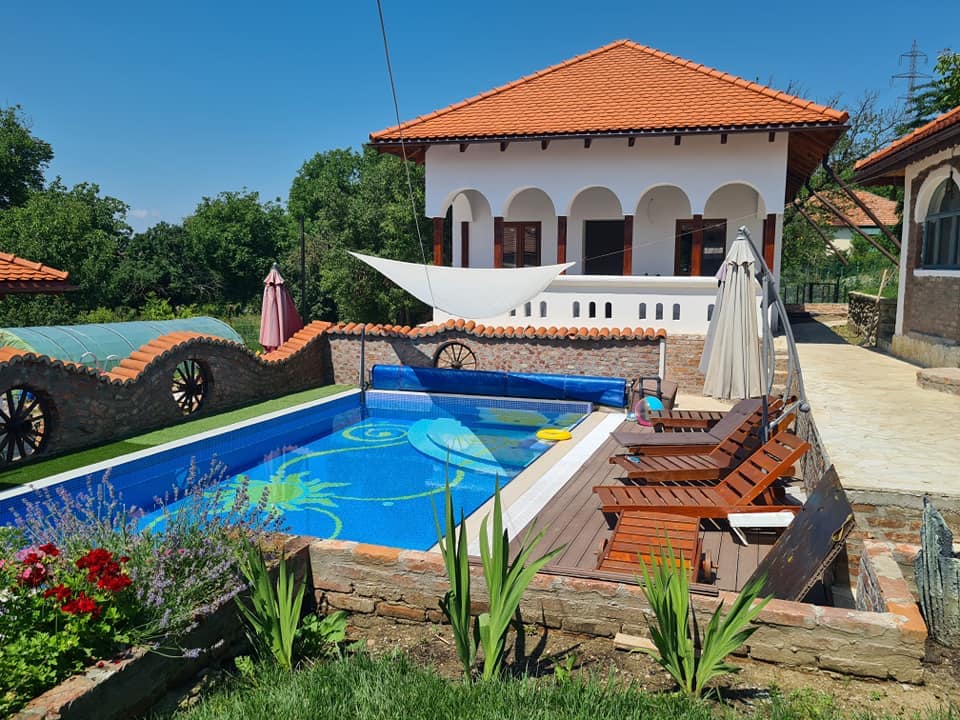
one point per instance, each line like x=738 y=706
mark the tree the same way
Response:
x=163 y=260
x=237 y=237
x=359 y=201
x=939 y=95
x=804 y=253
x=76 y=230
x=23 y=158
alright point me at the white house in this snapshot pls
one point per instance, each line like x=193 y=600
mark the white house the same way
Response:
x=637 y=165
x=928 y=300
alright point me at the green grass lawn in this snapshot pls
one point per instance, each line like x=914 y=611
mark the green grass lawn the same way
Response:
x=361 y=688
x=45 y=468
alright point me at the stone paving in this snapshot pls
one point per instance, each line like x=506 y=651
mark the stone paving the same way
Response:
x=882 y=431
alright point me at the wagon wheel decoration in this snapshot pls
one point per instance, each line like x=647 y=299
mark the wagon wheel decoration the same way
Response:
x=189 y=386
x=455 y=356
x=24 y=422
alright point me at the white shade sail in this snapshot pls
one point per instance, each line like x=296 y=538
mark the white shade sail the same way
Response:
x=469 y=293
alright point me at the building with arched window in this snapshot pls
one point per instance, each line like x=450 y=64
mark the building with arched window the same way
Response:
x=635 y=165
x=927 y=164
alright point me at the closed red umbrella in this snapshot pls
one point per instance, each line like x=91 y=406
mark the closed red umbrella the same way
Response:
x=279 y=318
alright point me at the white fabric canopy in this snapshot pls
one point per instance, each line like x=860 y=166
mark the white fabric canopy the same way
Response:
x=732 y=356
x=470 y=293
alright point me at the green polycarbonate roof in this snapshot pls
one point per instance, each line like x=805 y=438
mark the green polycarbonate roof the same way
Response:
x=104 y=345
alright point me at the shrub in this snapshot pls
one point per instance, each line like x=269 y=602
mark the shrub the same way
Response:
x=272 y=613
x=691 y=660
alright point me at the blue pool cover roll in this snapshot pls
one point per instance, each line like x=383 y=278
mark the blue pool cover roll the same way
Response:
x=599 y=390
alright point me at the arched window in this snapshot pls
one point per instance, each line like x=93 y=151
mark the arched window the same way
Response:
x=576 y=308
x=659 y=311
x=941 y=229
x=592 y=309
x=608 y=311
x=643 y=311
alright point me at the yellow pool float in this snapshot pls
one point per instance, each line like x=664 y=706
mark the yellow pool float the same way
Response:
x=553 y=434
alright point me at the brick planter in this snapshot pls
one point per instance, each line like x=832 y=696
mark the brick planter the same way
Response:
x=406 y=585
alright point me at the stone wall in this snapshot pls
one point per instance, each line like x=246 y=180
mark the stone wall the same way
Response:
x=872 y=317
x=406 y=585
x=88 y=408
x=926 y=350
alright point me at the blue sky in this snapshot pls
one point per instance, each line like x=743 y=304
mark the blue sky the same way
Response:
x=164 y=103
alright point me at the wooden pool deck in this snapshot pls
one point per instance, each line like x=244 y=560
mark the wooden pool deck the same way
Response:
x=573 y=518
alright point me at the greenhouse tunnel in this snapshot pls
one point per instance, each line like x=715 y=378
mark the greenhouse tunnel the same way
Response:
x=104 y=345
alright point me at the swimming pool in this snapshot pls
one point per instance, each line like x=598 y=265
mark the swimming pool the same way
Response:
x=370 y=474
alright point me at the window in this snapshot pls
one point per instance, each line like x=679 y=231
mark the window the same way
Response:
x=701 y=245
x=941 y=229
x=521 y=244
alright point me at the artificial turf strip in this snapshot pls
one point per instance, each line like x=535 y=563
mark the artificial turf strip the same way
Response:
x=53 y=466
x=361 y=688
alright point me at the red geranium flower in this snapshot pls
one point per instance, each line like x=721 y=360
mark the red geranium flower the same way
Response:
x=61 y=592
x=50 y=549
x=33 y=575
x=113 y=583
x=81 y=604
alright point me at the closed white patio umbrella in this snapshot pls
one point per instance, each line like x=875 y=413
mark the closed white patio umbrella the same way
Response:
x=731 y=356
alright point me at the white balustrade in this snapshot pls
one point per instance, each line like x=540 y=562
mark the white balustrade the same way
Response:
x=680 y=305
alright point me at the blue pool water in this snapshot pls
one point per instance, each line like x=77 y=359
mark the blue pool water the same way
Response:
x=371 y=476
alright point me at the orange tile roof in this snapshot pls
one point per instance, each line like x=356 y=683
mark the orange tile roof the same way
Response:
x=937 y=125
x=884 y=208
x=15 y=269
x=622 y=87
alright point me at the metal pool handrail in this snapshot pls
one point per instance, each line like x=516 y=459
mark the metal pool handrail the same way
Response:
x=771 y=301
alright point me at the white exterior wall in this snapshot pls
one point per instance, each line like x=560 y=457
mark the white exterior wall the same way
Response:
x=655 y=227
x=698 y=168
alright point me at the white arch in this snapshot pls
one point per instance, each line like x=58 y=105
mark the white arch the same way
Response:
x=472 y=195
x=739 y=203
x=531 y=191
x=471 y=206
x=655 y=218
x=645 y=203
x=603 y=197
x=929 y=186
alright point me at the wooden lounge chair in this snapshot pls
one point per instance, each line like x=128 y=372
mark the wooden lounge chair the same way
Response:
x=672 y=443
x=747 y=488
x=641 y=536
x=706 y=420
x=686 y=464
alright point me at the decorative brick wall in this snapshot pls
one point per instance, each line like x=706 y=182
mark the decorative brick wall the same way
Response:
x=406 y=585
x=608 y=352
x=89 y=408
x=873 y=319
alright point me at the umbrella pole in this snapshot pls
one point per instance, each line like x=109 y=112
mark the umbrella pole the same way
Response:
x=764 y=366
